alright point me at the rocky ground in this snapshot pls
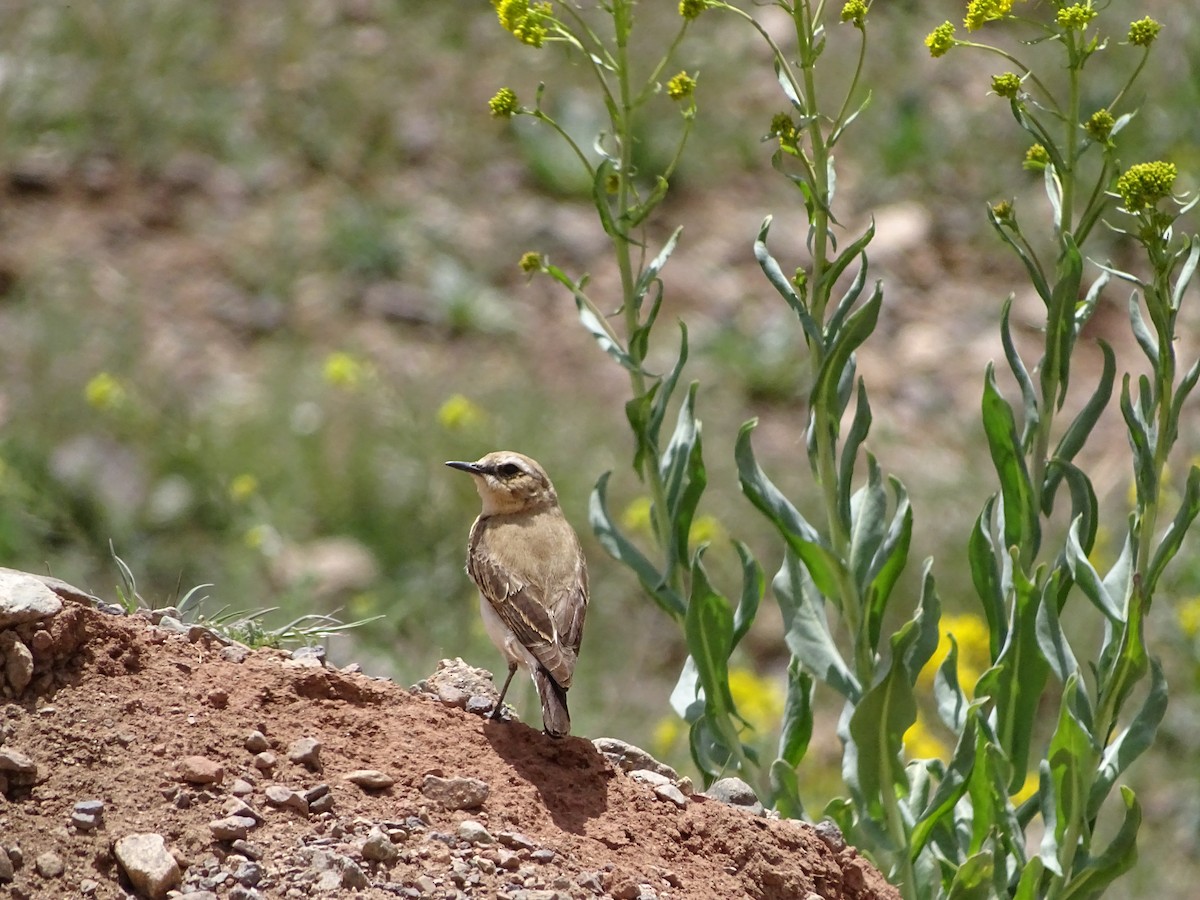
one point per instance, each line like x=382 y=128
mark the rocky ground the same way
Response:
x=143 y=756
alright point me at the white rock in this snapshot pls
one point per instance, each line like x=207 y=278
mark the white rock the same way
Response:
x=151 y=868
x=25 y=599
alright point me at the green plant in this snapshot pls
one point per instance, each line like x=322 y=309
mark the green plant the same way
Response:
x=957 y=827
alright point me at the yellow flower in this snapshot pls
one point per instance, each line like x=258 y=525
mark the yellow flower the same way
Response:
x=974 y=650
x=1143 y=185
x=705 y=530
x=666 y=734
x=920 y=743
x=1188 y=615
x=941 y=39
x=1143 y=32
x=459 y=413
x=342 y=370
x=243 y=488
x=1027 y=790
x=504 y=104
x=104 y=392
x=758 y=700
x=636 y=516
x=681 y=86
x=530 y=262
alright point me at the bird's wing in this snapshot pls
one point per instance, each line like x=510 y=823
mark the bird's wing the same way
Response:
x=570 y=608
x=521 y=606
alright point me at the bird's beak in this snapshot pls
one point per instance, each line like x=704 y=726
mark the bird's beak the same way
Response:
x=468 y=467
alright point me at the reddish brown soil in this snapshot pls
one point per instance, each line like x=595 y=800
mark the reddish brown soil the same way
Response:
x=116 y=703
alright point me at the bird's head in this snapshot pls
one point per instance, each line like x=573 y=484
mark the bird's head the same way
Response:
x=509 y=482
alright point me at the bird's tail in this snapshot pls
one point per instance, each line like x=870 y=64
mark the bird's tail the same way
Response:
x=555 y=716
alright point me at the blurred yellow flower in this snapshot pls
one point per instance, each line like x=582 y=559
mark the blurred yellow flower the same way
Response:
x=243 y=488
x=920 y=743
x=459 y=413
x=343 y=370
x=1028 y=789
x=636 y=516
x=974 y=650
x=1188 y=615
x=666 y=734
x=705 y=530
x=758 y=700
x=104 y=392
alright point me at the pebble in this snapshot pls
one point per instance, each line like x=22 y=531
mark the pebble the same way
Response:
x=646 y=776
x=735 y=792
x=16 y=762
x=828 y=831
x=200 y=770
x=49 y=864
x=378 y=847
x=307 y=752
x=256 y=742
x=671 y=793
x=316 y=653
x=241 y=788
x=284 y=797
x=231 y=828
x=24 y=598
x=6 y=867
x=235 y=653
x=456 y=793
x=473 y=833
x=370 y=779
x=545 y=855
x=18 y=661
x=515 y=840
x=627 y=757
x=148 y=864
x=264 y=761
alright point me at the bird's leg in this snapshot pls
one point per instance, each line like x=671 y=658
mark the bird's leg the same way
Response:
x=499 y=710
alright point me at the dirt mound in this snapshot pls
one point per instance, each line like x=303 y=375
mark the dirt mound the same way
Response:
x=238 y=760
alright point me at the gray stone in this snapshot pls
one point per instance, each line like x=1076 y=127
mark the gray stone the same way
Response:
x=315 y=653
x=473 y=833
x=828 y=831
x=235 y=653
x=90 y=807
x=514 y=840
x=231 y=828
x=324 y=803
x=148 y=864
x=235 y=806
x=24 y=598
x=16 y=762
x=85 y=821
x=173 y=625
x=18 y=661
x=49 y=864
x=369 y=779
x=627 y=757
x=58 y=586
x=456 y=793
x=378 y=847
x=6 y=867
x=285 y=797
x=647 y=777
x=673 y=794
x=735 y=792
x=307 y=752
x=200 y=770
x=264 y=761
x=545 y=855
x=256 y=742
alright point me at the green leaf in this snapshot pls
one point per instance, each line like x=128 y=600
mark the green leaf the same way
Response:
x=600 y=197
x=1081 y=426
x=1053 y=642
x=1032 y=265
x=858 y=327
x=1028 y=888
x=1060 y=321
x=1133 y=741
x=684 y=478
x=834 y=272
x=951 y=700
x=1147 y=341
x=806 y=631
x=868 y=511
x=708 y=628
x=754 y=585
x=658 y=406
x=1084 y=506
x=650 y=273
x=685 y=696
x=596 y=329
x=986 y=576
x=624 y=551
x=1021 y=525
x=796 y=730
x=784 y=286
x=1072 y=758
x=635 y=215
x=859 y=428
x=1029 y=400
x=1088 y=578
x=1172 y=540
x=878 y=723
x=939 y=811
x=973 y=880
x=1144 y=472
x=1192 y=248
x=785 y=788
x=888 y=562
x=828 y=572
x=1116 y=859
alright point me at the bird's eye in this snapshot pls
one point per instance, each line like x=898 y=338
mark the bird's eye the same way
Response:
x=508 y=470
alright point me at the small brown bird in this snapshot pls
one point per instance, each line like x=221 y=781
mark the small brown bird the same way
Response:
x=532 y=578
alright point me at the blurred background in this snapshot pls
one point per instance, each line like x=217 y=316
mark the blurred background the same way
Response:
x=258 y=281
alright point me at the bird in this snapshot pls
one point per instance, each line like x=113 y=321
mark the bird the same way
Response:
x=526 y=560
